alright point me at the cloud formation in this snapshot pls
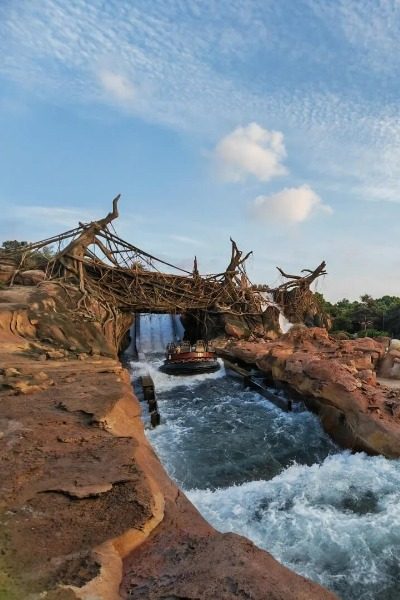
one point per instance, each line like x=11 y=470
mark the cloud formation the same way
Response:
x=251 y=150
x=117 y=86
x=291 y=205
x=183 y=239
x=52 y=215
x=202 y=67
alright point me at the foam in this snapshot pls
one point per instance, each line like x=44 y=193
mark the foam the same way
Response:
x=337 y=523
x=156 y=331
x=335 y=518
x=164 y=382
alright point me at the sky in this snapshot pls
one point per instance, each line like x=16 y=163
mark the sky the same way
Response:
x=274 y=122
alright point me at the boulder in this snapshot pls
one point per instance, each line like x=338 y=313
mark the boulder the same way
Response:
x=368 y=376
x=235 y=331
x=32 y=277
x=6 y=273
x=394 y=344
x=337 y=379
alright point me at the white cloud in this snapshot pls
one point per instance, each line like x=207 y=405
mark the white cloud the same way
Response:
x=251 y=150
x=369 y=27
x=117 y=86
x=67 y=217
x=36 y=222
x=202 y=67
x=185 y=240
x=292 y=205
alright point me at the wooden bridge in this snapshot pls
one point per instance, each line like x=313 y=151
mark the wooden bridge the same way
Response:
x=124 y=277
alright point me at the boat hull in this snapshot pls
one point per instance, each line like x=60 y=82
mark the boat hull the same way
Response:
x=189 y=367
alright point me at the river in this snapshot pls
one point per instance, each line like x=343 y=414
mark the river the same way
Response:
x=276 y=477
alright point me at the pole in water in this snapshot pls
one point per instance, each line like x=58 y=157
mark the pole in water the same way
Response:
x=152 y=404
x=149 y=395
x=155 y=418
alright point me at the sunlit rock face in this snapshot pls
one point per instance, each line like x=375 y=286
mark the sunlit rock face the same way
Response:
x=50 y=314
x=390 y=365
x=83 y=490
x=338 y=380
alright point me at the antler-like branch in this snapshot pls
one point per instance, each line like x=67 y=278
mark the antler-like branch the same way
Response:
x=302 y=280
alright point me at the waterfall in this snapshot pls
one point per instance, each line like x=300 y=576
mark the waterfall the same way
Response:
x=156 y=331
x=284 y=323
x=276 y=477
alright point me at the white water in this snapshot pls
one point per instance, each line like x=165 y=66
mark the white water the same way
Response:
x=337 y=523
x=284 y=323
x=157 y=330
x=277 y=478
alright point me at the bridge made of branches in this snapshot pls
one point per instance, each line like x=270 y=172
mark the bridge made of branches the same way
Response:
x=93 y=258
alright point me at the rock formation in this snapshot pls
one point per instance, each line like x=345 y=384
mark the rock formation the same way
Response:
x=87 y=510
x=390 y=365
x=337 y=379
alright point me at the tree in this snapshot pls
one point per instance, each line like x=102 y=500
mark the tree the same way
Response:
x=13 y=245
x=369 y=316
x=15 y=250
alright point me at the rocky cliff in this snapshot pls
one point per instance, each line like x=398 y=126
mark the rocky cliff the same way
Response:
x=337 y=379
x=86 y=509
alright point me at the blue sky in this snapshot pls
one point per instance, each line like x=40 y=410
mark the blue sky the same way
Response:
x=274 y=122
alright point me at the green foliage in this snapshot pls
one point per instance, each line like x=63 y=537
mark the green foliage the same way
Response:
x=370 y=316
x=13 y=245
x=372 y=333
x=36 y=260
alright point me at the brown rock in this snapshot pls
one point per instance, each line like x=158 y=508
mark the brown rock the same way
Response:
x=11 y=372
x=55 y=354
x=83 y=491
x=40 y=376
x=76 y=510
x=6 y=273
x=234 y=331
x=338 y=381
x=368 y=376
x=32 y=277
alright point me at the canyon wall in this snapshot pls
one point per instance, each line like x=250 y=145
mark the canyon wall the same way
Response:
x=86 y=509
x=335 y=378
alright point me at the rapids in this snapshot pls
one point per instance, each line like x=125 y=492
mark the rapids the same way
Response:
x=276 y=477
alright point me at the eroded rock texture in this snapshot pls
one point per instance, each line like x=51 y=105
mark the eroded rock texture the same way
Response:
x=86 y=509
x=186 y=558
x=338 y=380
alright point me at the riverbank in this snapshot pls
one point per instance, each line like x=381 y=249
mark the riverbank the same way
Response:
x=274 y=476
x=86 y=508
x=337 y=379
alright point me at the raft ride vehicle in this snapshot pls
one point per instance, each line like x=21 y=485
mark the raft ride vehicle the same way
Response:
x=184 y=358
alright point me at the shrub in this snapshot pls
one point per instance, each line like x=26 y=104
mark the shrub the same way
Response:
x=373 y=333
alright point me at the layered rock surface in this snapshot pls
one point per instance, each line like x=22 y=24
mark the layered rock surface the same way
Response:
x=337 y=379
x=86 y=509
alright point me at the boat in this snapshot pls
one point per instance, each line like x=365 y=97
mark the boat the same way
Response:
x=184 y=358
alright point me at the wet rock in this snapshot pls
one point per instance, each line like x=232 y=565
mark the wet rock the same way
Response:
x=81 y=497
x=335 y=374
